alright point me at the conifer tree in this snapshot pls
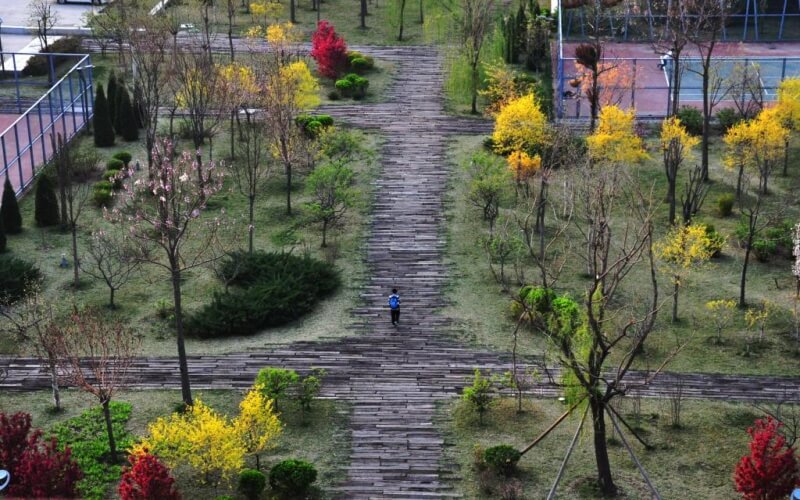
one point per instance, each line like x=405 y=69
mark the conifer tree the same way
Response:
x=127 y=118
x=9 y=212
x=2 y=237
x=103 y=130
x=119 y=105
x=111 y=95
x=46 y=206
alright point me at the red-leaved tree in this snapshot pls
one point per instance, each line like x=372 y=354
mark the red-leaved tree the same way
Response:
x=147 y=479
x=38 y=469
x=769 y=472
x=329 y=50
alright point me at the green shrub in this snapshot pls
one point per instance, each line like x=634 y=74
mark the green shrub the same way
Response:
x=479 y=394
x=3 y=240
x=252 y=483
x=9 y=211
x=115 y=164
x=292 y=477
x=126 y=119
x=359 y=62
x=46 y=203
x=334 y=95
x=39 y=65
x=101 y=121
x=353 y=86
x=113 y=177
x=741 y=231
x=165 y=309
x=764 y=249
x=781 y=234
x=267 y=289
x=727 y=118
x=716 y=241
x=692 y=119
x=275 y=382
x=16 y=277
x=312 y=125
x=502 y=459
x=102 y=193
x=86 y=436
x=123 y=156
x=345 y=87
x=725 y=204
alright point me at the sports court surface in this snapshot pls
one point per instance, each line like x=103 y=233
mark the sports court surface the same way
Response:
x=645 y=85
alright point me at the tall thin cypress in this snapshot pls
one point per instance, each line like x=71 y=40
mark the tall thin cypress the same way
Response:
x=127 y=118
x=2 y=237
x=111 y=94
x=9 y=212
x=101 y=121
x=46 y=203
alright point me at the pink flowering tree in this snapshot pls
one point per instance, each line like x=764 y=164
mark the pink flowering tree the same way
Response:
x=164 y=215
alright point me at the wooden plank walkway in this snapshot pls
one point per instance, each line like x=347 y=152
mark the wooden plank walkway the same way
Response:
x=393 y=378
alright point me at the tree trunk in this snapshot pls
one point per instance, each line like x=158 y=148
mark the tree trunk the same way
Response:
x=76 y=265
x=421 y=12
x=671 y=197
x=743 y=280
x=474 y=109
x=739 y=180
x=186 y=390
x=604 y=478
x=675 y=300
x=292 y=12
x=288 y=189
x=402 y=16
x=112 y=444
x=111 y=299
x=786 y=158
x=53 y=365
x=324 y=233
x=363 y=14
x=706 y=124
x=251 y=228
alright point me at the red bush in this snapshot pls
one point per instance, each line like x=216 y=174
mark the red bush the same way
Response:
x=329 y=50
x=147 y=479
x=770 y=471
x=38 y=470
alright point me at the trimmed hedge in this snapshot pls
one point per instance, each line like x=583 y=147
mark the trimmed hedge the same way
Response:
x=353 y=86
x=268 y=289
x=252 y=483
x=502 y=459
x=292 y=477
x=15 y=277
x=39 y=66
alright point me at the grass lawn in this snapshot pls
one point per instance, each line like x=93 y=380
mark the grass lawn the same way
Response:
x=383 y=20
x=139 y=299
x=482 y=309
x=321 y=439
x=693 y=461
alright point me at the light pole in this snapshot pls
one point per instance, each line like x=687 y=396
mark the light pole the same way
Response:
x=2 y=56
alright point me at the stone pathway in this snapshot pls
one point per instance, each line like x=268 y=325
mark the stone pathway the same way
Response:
x=393 y=378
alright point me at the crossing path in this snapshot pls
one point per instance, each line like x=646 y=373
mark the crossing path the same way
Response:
x=393 y=378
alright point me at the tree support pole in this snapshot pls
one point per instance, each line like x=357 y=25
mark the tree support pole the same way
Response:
x=552 y=494
x=656 y=496
x=552 y=426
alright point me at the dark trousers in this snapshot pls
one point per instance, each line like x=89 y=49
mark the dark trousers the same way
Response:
x=396 y=315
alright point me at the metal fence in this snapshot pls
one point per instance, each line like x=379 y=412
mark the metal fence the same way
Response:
x=640 y=20
x=29 y=118
x=648 y=83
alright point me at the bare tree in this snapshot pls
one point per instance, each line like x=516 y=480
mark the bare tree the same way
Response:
x=95 y=355
x=31 y=322
x=707 y=22
x=73 y=195
x=44 y=18
x=694 y=194
x=745 y=88
x=165 y=213
x=402 y=19
x=111 y=258
x=474 y=21
x=673 y=39
x=149 y=46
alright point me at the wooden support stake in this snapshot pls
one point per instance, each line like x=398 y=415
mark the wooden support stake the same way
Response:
x=656 y=496
x=552 y=426
x=552 y=494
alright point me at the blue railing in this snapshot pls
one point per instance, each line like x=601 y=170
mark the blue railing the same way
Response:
x=64 y=109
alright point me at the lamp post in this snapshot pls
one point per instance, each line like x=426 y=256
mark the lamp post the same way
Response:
x=2 y=56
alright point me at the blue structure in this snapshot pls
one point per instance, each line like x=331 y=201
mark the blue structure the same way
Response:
x=639 y=20
x=65 y=108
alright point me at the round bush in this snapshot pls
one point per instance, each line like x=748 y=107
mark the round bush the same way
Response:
x=725 y=204
x=292 y=476
x=727 y=118
x=692 y=119
x=115 y=164
x=16 y=276
x=267 y=289
x=112 y=176
x=345 y=87
x=252 y=483
x=764 y=249
x=123 y=156
x=502 y=459
x=101 y=193
x=334 y=96
x=360 y=65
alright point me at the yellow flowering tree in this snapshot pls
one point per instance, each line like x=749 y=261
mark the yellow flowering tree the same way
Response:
x=721 y=312
x=257 y=424
x=523 y=166
x=266 y=10
x=521 y=126
x=200 y=438
x=756 y=145
x=788 y=110
x=683 y=249
x=676 y=147
x=615 y=140
x=756 y=319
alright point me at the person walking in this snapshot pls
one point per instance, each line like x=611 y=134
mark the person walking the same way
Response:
x=394 y=306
